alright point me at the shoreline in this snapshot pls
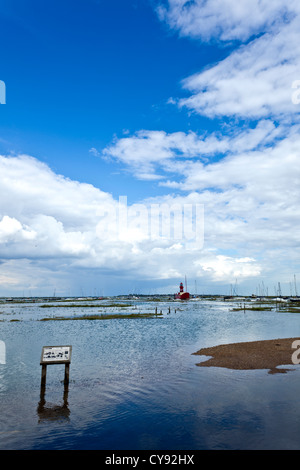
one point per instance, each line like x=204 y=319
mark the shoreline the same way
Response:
x=265 y=354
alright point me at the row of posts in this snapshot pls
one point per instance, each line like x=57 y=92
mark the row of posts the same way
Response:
x=45 y=362
x=169 y=311
x=59 y=359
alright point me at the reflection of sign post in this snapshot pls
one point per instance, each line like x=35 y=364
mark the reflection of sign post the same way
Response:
x=56 y=355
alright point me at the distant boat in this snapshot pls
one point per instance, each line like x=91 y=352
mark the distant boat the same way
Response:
x=280 y=299
x=182 y=295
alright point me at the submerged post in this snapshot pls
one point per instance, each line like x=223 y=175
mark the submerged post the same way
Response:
x=44 y=373
x=67 y=373
x=55 y=355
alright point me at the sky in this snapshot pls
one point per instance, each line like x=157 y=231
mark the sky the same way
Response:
x=145 y=141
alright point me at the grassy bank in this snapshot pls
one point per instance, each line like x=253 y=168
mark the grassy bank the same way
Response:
x=117 y=305
x=104 y=317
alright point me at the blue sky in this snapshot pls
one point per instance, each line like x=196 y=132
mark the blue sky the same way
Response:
x=79 y=73
x=162 y=102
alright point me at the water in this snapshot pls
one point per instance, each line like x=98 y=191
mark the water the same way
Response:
x=134 y=383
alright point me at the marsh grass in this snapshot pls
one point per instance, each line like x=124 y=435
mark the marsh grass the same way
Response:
x=105 y=317
x=236 y=309
x=278 y=307
x=118 y=305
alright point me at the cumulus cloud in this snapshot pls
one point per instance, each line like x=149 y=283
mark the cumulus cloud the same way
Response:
x=74 y=226
x=150 y=154
x=46 y=235
x=255 y=80
x=223 y=267
x=28 y=183
x=49 y=219
x=225 y=20
x=250 y=192
x=12 y=230
x=247 y=176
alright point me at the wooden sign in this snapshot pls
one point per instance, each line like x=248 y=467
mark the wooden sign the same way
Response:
x=56 y=355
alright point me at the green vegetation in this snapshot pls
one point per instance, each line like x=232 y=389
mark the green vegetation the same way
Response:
x=105 y=317
x=291 y=310
x=85 y=305
x=256 y=308
x=285 y=308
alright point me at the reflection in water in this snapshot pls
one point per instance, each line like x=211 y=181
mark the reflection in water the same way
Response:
x=53 y=412
x=138 y=386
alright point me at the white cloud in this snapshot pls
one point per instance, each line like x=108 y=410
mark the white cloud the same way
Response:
x=50 y=233
x=12 y=230
x=250 y=195
x=29 y=187
x=223 y=268
x=51 y=222
x=149 y=154
x=225 y=20
x=247 y=175
x=272 y=168
x=255 y=80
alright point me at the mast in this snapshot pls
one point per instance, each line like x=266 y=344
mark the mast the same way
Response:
x=295 y=285
x=279 y=290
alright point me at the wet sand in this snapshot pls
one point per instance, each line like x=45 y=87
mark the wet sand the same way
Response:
x=268 y=354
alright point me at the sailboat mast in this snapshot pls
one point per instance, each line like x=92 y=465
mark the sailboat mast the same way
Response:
x=295 y=285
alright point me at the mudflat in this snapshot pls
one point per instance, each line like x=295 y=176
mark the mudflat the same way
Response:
x=267 y=354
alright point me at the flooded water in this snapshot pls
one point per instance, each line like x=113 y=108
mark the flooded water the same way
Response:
x=134 y=383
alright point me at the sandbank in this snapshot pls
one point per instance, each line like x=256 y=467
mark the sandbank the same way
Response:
x=267 y=354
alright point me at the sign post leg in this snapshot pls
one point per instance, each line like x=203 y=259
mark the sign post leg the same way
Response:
x=67 y=373
x=44 y=372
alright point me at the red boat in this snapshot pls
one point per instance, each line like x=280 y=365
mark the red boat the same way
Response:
x=182 y=295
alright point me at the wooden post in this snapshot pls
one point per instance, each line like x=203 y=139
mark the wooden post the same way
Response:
x=44 y=373
x=67 y=374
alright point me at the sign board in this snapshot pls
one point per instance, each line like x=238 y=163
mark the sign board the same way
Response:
x=56 y=355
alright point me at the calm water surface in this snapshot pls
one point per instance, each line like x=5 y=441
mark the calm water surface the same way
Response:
x=134 y=383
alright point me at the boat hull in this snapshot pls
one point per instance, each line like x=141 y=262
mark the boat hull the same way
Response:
x=182 y=296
